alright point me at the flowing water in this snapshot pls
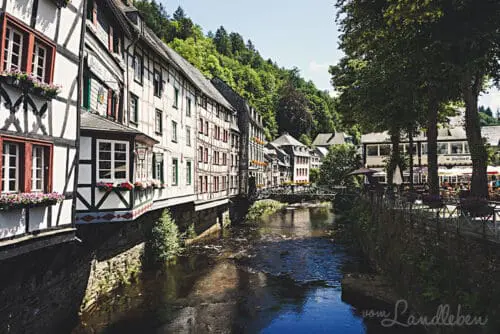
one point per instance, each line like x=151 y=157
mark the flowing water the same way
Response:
x=282 y=275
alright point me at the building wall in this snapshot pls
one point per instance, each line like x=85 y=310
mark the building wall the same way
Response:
x=39 y=121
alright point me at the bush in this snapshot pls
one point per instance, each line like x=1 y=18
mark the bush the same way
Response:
x=263 y=208
x=165 y=242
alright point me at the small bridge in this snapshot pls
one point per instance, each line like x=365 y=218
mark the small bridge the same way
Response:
x=295 y=194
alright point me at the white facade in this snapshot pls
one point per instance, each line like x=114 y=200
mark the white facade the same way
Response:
x=39 y=132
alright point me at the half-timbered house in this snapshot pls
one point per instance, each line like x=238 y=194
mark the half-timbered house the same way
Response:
x=110 y=188
x=40 y=48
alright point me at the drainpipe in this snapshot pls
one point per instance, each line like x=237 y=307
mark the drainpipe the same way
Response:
x=78 y=106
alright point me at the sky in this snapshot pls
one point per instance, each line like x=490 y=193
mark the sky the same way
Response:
x=293 y=33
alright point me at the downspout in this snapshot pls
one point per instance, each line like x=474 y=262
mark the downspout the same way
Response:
x=78 y=106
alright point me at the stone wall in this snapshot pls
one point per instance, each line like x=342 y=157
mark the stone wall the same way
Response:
x=430 y=265
x=43 y=291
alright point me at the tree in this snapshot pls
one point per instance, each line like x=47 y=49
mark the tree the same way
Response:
x=292 y=112
x=179 y=14
x=314 y=175
x=222 y=42
x=339 y=162
x=305 y=139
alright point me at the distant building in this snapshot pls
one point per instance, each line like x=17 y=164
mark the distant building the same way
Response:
x=284 y=164
x=328 y=139
x=315 y=161
x=251 y=158
x=299 y=156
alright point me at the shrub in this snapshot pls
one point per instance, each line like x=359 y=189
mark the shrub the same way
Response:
x=263 y=208
x=165 y=242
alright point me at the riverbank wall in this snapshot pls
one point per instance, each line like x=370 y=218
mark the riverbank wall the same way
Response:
x=44 y=291
x=430 y=265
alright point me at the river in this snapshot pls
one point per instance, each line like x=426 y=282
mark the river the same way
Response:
x=282 y=275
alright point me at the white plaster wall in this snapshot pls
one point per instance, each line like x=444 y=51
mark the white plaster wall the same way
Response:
x=12 y=223
x=85 y=148
x=21 y=9
x=46 y=18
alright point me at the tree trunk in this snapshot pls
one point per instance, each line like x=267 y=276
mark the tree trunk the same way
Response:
x=410 y=152
x=395 y=155
x=432 y=161
x=479 y=182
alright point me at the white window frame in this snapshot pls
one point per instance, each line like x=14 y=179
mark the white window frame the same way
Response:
x=188 y=136
x=127 y=161
x=174 y=131
x=9 y=39
x=6 y=166
x=35 y=66
x=35 y=167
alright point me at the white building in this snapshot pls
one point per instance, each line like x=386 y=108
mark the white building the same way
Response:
x=39 y=131
x=299 y=156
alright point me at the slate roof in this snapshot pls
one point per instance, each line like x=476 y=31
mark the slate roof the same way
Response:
x=287 y=140
x=327 y=139
x=93 y=122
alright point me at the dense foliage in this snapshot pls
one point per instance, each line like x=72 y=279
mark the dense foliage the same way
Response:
x=165 y=241
x=285 y=100
x=405 y=61
x=340 y=161
x=263 y=208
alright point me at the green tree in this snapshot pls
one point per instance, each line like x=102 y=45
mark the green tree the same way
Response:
x=293 y=114
x=164 y=243
x=314 y=175
x=339 y=162
x=222 y=42
x=179 y=14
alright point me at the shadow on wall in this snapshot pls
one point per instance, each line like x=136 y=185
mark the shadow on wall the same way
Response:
x=42 y=291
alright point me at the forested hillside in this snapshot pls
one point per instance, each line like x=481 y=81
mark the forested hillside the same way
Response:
x=286 y=101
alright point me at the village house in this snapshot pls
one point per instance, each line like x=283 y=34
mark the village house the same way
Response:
x=299 y=157
x=252 y=162
x=38 y=138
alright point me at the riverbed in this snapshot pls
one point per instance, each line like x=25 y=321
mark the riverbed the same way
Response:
x=281 y=275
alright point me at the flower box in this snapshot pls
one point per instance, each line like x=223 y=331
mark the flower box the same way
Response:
x=124 y=186
x=28 y=200
x=28 y=82
x=103 y=186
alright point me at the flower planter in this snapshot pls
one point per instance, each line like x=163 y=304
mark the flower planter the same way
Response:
x=29 y=201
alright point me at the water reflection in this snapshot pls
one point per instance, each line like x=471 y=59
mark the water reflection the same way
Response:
x=282 y=275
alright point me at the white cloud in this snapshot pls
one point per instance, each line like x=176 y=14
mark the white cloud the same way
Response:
x=318 y=67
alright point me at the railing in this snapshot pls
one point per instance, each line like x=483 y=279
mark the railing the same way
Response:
x=449 y=216
x=295 y=190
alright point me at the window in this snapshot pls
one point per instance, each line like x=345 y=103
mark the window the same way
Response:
x=188 y=136
x=175 y=171
x=176 y=97
x=442 y=148
x=188 y=172
x=138 y=68
x=424 y=148
x=216 y=183
x=200 y=154
x=134 y=109
x=157 y=83
x=10 y=168
x=218 y=111
x=158 y=121
x=158 y=167
x=39 y=61
x=174 y=131
x=38 y=168
x=385 y=150
x=205 y=159
x=206 y=183
x=200 y=182
x=206 y=128
x=188 y=107
x=224 y=159
x=27 y=51
x=466 y=147
x=201 y=126
x=112 y=160
x=457 y=148
x=202 y=101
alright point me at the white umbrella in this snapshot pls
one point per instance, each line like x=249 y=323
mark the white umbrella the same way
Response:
x=396 y=178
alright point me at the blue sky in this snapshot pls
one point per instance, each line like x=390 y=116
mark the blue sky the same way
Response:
x=291 y=32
